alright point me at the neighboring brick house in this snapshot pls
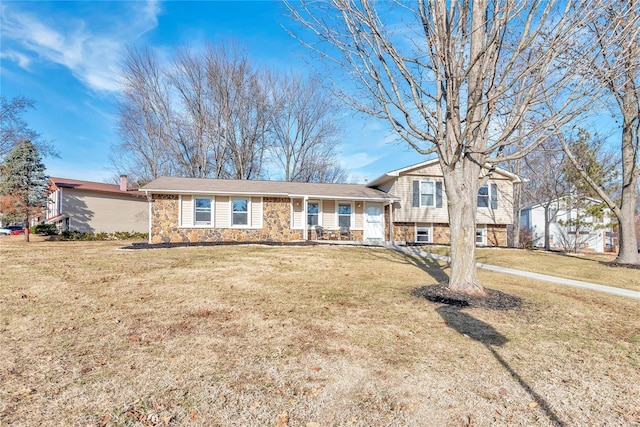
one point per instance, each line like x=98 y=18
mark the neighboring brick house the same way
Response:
x=94 y=207
x=406 y=205
x=421 y=213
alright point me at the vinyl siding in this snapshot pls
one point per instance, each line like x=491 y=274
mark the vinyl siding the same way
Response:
x=186 y=211
x=387 y=187
x=359 y=216
x=504 y=213
x=95 y=212
x=256 y=212
x=405 y=212
x=223 y=212
x=329 y=219
x=298 y=218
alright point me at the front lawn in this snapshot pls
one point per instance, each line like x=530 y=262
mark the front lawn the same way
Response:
x=298 y=336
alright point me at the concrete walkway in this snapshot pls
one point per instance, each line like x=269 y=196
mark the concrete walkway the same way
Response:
x=413 y=250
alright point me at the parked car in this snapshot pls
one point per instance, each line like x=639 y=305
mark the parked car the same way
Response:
x=11 y=230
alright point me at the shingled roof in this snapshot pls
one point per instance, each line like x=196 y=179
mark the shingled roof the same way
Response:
x=99 y=187
x=173 y=185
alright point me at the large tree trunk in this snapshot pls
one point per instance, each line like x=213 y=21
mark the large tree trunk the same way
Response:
x=461 y=187
x=515 y=230
x=547 y=221
x=628 y=252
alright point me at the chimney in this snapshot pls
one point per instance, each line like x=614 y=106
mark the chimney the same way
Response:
x=123 y=182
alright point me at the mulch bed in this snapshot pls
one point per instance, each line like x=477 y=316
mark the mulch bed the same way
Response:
x=440 y=293
x=138 y=246
x=619 y=264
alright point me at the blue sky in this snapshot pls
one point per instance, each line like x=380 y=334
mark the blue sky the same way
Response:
x=64 y=56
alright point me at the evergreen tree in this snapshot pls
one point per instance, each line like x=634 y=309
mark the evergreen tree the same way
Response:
x=23 y=178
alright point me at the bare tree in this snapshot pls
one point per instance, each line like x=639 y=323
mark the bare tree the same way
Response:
x=240 y=92
x=455 y=78
x=305 y=131
x=14 y=129
x=614 y=62
x=545 y=181
x=143 y=151
x=200 y=115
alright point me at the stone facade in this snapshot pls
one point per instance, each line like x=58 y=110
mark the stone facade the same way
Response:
x=496 y=235
x=276 y=227
x=406 y=232
x=276 y=224
x=441 y=234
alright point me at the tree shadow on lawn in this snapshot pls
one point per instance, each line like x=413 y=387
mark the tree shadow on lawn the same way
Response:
x=490 y=338
x=430 y=266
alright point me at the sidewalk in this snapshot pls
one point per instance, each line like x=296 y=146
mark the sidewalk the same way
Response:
x=412 y=250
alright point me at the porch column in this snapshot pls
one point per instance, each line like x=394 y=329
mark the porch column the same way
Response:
x=305 y=232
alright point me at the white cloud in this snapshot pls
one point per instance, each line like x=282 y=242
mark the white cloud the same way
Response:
x=22 y=60
x=91 y=56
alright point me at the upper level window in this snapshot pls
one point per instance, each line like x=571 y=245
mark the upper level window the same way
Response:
x=427 y=193
x=483 y=196
x=313 y=210
x=203 y=211
x=240 y=212
x=488 y=196
x=344 y=215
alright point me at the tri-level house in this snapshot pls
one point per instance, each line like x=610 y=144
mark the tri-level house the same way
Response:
x=93 y=207
x=406 y=205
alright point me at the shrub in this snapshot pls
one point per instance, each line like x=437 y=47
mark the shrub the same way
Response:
x=118 y=235
x=76 y=235
x=46 y=229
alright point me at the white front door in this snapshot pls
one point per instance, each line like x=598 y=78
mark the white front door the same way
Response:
x=373 y=224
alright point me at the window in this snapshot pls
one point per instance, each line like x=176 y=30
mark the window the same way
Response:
x=344 y=215
x=423 y=233
x=312 y=213
x=488 y=196
x=240 y=211
x=483 y=196
x=427 y=193
x=481 y=235
x=203 y=211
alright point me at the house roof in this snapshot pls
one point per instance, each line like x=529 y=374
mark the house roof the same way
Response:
x=540 y=205
x=396 y=173
x=174 y=185
x=98 y=187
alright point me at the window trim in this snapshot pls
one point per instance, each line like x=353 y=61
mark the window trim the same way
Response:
x=247 y=212
x=483 y=230
x=319 y=214
x=424 y=226
x=433 y=194
x=491 y=196
x=351 y=213
x=194 y=221
x=488 y=196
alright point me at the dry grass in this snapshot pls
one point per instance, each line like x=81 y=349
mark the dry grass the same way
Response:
x=297 y=336
x=589 y=267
